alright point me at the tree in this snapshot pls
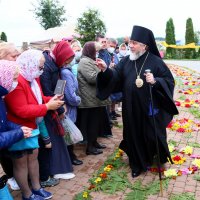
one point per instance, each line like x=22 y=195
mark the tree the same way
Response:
x=170 y=38
x=197 y=37
x=49 y=13
x=3 y=37
x=89 y=25
x=189 y=38
x=197 y=40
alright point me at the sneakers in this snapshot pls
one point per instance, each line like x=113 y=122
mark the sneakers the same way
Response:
x=64 y=176
x=43 y=193
x=50 y=182
x=13 y=184
x=33 y=197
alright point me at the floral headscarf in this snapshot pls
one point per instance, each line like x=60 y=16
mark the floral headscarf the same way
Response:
x=7 y=72
x=29 y=62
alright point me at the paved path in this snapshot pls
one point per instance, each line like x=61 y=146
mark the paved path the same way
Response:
x=185 y=183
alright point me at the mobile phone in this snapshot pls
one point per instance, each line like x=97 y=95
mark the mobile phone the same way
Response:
x=60 y=87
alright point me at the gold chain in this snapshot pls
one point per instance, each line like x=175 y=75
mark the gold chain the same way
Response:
x=138 y=75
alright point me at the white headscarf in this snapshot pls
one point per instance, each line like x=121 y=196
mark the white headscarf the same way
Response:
x=29 y=62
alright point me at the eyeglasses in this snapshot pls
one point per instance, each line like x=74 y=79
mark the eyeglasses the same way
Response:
x=41 y=67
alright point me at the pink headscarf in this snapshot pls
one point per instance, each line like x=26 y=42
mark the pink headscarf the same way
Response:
x=29 y=62
x=7 y=72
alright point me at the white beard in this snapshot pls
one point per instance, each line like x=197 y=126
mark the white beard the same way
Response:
x=135 y=56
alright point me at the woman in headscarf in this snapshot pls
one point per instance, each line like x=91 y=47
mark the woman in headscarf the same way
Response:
x=72 y=100
x=56 y=162
x=92 y=114
x=8 y=51
x=9 y=132
x=29 y=107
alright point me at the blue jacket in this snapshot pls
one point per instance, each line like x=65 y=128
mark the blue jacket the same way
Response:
x=72 y=100
x=9 y=132
x=105 y=56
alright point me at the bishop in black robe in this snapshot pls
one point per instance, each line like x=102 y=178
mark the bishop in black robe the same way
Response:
x=139 y=141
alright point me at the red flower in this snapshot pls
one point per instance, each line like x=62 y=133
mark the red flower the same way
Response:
x=179 y=173
x=177 y=103
x=103 y=175
x=170 y=125
x=194 y=168
x=187 y=100
x=181 y=130
x=187 y=105
x=91 y=187
x=176 y=158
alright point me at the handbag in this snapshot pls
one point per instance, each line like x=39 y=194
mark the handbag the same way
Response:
x=72 y=134
x=27 y=143
x=58 y=128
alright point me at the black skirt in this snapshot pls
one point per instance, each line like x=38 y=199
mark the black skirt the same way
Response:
x=93 y=122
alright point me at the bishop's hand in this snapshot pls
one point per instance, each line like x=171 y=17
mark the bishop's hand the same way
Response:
x=101 y=64
x=150 y=78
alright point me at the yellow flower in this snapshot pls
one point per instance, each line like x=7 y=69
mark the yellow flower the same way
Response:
x=171 y=148
x=98 y=180
x=85 y=194
x=188 y=150
x=121 y=151
x=117 y=155
x=196 y=162
x=107 y=169
x=178 y=160
x=170 y=173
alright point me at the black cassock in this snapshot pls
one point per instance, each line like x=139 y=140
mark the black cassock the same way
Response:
x=138 y=131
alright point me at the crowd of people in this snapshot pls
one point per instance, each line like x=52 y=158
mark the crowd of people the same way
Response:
x=99 y=76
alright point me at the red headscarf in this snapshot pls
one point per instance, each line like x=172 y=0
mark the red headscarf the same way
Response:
x=62 y=52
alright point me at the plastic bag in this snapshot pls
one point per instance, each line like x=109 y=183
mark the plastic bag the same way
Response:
x=72 y=134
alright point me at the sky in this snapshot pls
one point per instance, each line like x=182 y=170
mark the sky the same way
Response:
x=18 y=21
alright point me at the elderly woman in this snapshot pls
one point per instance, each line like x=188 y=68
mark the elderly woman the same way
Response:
x=29 y=107
x=8 y=51
x=92 y=114
x=9 y=132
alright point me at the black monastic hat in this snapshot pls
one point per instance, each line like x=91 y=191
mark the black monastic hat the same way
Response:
x=145 y=36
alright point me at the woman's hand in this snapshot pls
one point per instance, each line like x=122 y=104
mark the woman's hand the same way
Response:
x=48 y=146
x=54 y=103
x=58 y=97
x=27 y=131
